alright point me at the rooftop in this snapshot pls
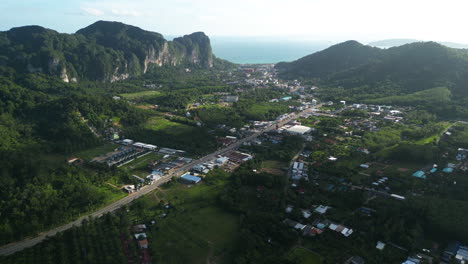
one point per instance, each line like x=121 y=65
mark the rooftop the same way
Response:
x=297 y=129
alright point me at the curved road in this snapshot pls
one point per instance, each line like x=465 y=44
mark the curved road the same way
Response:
x=29 y=242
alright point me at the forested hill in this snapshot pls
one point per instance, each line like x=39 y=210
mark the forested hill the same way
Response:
x=394 y=71
x=336 y=58
x=103 y=51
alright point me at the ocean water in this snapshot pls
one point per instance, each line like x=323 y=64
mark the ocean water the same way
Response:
x=252 y=50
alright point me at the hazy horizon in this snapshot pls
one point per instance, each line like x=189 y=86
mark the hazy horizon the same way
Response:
x=312 y=20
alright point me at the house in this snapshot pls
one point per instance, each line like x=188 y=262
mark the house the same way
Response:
x=321 y=209
x=286 y=98
x=153 y=177
x=140 y=236
x=355 y=260
x=419 y=174
x=311 y=231
x=299 y=226
x=347 y=232
x=380 y=245
x=365 y=166
x=143 y=243
x=222 y=160
x=231 y=98
x=190 y=179
x=75 y=161
x=127 y=142
x=139 y=228
x=448 y=170
x=451 y=250
x=412 y=260
x=462 y=254
x=306 y=213
x=398 y=197
x=186 y=160
x=198 y=168
x=129 y=188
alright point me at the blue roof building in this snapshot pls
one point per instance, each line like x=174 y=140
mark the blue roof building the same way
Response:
x=419 y=174
x=190 y=179
x=448 y=170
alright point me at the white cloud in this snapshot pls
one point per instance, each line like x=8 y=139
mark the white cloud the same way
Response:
x=92 y=11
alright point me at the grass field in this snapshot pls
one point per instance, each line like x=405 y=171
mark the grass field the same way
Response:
x=258 y=110
x=158 y=123
x=112 y=194
x=434 y=137
x=134 y=96
x=142 y=162
x=95 y=152
x=274 y=167
x=196 y=230
x=304 y=256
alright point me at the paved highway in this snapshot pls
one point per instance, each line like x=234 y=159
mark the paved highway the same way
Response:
x=29 y=242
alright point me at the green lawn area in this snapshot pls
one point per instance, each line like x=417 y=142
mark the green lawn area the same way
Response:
x=112 y=194
x=258 y=110
x=211 y=106
x=115 y=119
x=159 y=123
x=91 y=153
x=274 y=167
x=133 y=96
x=171 y=134
x=274 y=164
x=196 y=230
x=142 y=162
x=304 y=256
x=434 y=137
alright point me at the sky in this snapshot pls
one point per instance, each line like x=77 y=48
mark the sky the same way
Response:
x=331 y=20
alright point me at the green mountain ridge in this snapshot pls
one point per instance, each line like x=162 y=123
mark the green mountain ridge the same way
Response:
x=333 y=59
x=103 y=51
x=384 y=72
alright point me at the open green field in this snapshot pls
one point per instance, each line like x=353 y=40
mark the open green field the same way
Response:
x=95 y=152
x=115 y=119
x=304 y=256
x=159 y=123
x=174 y=134
x=259 y=110
x=133 y=96
x=196 y=230
x=142 y=162
x=112 y=194
x=274 y=167
x=436 y=136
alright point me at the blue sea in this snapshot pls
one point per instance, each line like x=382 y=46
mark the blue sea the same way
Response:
x=266 y=50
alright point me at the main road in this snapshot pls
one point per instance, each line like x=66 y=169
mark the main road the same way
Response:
x=29 y=242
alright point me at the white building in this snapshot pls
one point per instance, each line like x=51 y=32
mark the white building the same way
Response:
x=298 y=130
